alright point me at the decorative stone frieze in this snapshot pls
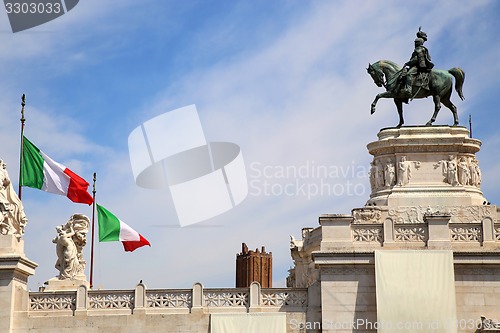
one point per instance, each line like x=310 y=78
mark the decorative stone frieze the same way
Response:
x=367 y=215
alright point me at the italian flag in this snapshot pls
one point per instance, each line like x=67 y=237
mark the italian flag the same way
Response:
x=112 y=229
x=41 y=172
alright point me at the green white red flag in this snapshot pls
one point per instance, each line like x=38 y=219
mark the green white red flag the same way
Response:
x=112 y=229
x=40 y=171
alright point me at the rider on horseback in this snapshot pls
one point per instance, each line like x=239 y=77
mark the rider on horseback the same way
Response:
x=420 y=62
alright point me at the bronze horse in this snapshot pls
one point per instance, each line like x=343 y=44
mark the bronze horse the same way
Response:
x=387 y=74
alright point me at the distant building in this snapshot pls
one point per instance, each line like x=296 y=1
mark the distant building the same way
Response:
x=254 y=266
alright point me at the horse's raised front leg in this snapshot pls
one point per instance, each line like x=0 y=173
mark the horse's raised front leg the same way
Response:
x=386 y=94
x=437 y=106
x=399 y=106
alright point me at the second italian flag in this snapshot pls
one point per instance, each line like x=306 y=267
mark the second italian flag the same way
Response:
x=112 y=229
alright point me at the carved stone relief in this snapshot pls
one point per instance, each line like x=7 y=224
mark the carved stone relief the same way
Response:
x=373 y=172
x=379 y=175
x=475 y=173
x=405 y=169
x=464 y=172
x=459 y=214
x=409 y=214
x=366 y=215
x=390 y=173
x=386 y=172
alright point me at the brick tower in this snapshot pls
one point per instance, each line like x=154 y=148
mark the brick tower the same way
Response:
x=254 y=266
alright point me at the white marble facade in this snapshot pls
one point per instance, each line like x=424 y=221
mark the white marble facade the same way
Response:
x=426 y=194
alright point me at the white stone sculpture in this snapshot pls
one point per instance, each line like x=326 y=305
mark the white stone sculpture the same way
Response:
x=366 y=215
x=404 y=171
x=295 y=243
x=390 y=173
x=475 y=173
x=379 y=174
x=463 y=171
x=373 y=172
x=12 y=217
x=70 y=240
x=450 y=171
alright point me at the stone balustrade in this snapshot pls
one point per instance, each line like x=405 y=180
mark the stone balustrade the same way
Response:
x=252 y=299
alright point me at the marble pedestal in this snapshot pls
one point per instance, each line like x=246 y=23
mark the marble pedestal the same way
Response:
x=427 y=165
x=55 y=284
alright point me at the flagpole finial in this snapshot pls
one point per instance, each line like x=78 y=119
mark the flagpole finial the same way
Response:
x=23 y=103
x=93 y=185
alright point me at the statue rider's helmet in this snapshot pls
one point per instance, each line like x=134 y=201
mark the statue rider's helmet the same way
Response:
x=421 y=34
x=419 y=42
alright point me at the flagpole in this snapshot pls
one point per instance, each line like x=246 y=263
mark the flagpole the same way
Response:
x=92 y=242
x=23 y=103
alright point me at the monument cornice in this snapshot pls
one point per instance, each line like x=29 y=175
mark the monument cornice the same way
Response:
x=424 y=139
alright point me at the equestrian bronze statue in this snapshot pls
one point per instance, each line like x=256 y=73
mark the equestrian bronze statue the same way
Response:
x=417 y=79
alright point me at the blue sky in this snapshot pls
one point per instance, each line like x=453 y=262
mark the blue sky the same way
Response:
x=285 y=80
